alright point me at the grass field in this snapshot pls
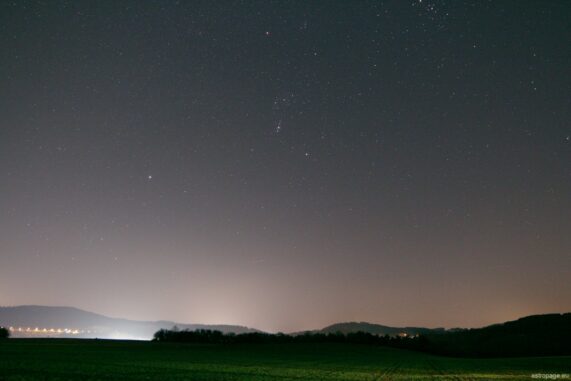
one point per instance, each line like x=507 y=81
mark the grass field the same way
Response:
x=50 y=360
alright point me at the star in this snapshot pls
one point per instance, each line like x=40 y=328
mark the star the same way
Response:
x=150 y=177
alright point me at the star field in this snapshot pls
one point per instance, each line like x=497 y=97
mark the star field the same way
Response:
x=287 y=165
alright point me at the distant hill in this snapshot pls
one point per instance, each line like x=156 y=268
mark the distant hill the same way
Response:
x=537 y=335
x=43 y=321
x=377 y=329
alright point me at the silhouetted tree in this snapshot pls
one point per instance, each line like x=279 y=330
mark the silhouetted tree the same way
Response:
x=4 y=333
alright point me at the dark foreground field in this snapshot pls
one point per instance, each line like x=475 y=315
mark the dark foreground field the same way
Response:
x=51 y=359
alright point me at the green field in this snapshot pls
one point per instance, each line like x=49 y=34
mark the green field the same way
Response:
x=50 y=359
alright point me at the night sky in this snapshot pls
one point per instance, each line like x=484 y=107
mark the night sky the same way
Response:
x=287 y=165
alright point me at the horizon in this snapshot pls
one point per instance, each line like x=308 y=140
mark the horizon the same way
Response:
x=236 y=324
x=287 y=165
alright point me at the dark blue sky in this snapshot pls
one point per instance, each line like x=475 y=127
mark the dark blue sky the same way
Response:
x=287 y=165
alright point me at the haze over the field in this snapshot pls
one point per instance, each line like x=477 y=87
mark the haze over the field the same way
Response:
x=287 y=165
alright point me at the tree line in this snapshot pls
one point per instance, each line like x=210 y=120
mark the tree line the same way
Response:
x=541 y=335
x=204 y=336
